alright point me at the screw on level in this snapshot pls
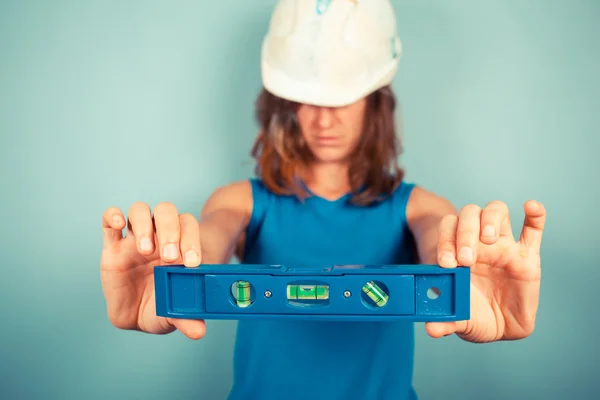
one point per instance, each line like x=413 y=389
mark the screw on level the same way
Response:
x=347 y=293
x=268 y=294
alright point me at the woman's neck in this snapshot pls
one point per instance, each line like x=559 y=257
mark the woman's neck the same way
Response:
x=329 y=181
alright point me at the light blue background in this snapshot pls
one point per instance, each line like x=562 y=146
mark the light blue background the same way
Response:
x=108 y=102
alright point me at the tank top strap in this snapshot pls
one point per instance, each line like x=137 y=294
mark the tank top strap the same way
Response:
x=400 y=199
x=261 y=198
x=399 y=202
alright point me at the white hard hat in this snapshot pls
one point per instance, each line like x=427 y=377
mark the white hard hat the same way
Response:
x=330 y=52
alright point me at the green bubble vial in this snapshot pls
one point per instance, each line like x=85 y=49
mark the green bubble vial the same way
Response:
x=375 y=293
x=243 y=293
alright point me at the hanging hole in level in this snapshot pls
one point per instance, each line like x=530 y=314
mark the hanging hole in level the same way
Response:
x=433 y=293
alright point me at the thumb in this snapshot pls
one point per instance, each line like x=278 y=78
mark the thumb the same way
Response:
x=113 y=222
x=441 y=329
x=533 y=225
x=192 y=328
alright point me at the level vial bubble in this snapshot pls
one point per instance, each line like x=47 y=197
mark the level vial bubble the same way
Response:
x=307 y=292
x=243 y=293
x=375 y=293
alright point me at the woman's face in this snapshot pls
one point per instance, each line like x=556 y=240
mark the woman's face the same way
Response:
x=331 y=134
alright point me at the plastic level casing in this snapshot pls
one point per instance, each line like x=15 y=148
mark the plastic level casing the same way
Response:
x=418 y=293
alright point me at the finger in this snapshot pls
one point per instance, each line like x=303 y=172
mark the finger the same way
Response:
x=467 y=234
x=113 y=223
x=446 y=249
x=533 y=226
x=140 y=221
x=495 y=222
x=440 y=329
x=190 y=240
x=166 y=219
x=191 y=328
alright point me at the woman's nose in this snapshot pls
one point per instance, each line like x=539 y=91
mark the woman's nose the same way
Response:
x=324 y=117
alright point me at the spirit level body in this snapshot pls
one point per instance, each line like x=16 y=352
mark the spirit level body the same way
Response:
x=418 y=293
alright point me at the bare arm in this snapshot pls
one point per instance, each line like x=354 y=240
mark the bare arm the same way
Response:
x=223 y=222
x=424 y=213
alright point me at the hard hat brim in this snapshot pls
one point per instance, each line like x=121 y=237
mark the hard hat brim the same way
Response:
x=321 y=93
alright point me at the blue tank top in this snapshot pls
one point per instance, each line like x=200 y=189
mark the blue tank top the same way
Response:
x=289 y=360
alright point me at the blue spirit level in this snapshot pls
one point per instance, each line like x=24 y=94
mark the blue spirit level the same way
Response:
x=418 y=293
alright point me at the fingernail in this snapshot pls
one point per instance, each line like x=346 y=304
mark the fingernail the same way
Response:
x=489 y=231
x=116 y=220
x=145 y=244
x=466 y=254
x=447 y=258
x=170 y=251
x=191 y=257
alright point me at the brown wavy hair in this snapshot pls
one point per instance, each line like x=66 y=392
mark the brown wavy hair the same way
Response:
x=283 y=160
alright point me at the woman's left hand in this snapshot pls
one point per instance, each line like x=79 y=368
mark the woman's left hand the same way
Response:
x=505 y=273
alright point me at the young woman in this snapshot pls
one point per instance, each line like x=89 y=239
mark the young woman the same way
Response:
x=328 y=191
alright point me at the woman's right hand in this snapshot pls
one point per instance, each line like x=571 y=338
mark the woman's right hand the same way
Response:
x=127 y=264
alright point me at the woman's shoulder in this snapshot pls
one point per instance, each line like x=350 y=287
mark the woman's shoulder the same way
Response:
x=236 y=196
x=241 y=190
x=423 y=202
x=244 y=194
